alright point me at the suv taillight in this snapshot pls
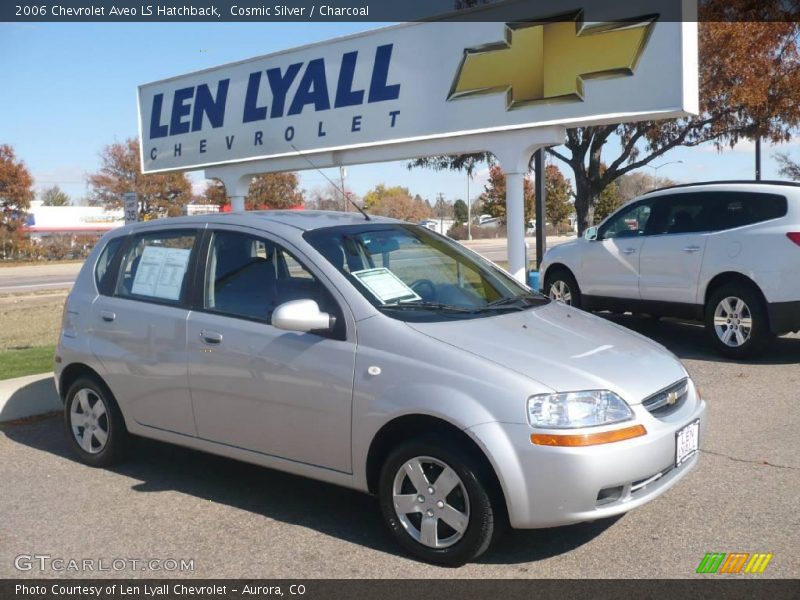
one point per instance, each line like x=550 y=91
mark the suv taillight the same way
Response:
x=794 y=236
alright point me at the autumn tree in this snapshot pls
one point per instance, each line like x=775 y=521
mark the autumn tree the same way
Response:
x=396 y=202
x=266 y=191
x=749 y=81
x=327 y=198
x=16 y=193
x=493 y=198
x=558 y=196
x=54 y=196
x=610 y=200
x=160 y=194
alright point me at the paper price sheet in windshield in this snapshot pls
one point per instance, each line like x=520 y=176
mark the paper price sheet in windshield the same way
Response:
x=160 y=273
x=385 y=285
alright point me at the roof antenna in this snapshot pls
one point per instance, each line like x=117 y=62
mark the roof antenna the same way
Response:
x=336 y=187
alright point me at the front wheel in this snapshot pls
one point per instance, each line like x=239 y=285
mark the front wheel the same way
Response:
x=435 y=500
x=562 y=287
x=737 y=321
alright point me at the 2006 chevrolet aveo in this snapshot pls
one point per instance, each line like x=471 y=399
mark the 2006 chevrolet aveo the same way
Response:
x=377 y=355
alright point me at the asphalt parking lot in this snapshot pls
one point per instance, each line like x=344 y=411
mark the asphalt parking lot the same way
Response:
x=237 y=520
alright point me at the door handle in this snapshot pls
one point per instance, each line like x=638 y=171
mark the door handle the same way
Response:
x=107 y=316
x=629 y=251
x=210 y=337
x=691 y=248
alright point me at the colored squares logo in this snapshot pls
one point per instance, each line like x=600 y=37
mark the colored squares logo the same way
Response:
x=734 y=562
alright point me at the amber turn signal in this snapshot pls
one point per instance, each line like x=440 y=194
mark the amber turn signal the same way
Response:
x=588 y=439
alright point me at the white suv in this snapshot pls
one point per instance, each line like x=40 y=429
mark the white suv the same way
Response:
x=727 y=253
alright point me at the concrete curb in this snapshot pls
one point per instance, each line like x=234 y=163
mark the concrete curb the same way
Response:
x=28 y=396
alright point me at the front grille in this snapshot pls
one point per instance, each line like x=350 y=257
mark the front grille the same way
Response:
x=668 y=400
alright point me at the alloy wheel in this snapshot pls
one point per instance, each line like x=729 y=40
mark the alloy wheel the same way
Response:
x=431 y=502
x=88 y=419
x=560 y=292
x=733 y=321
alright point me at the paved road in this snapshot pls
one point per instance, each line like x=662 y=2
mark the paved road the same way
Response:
x=238 y=520
x=33 y=278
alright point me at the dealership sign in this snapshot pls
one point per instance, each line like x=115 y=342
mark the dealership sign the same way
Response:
x=421 y=81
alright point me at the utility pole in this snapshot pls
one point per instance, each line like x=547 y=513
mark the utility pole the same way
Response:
x=342 y=175
x=469 y=208
x=758 y=157
x=440 y=203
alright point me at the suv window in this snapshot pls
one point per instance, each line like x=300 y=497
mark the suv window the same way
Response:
x=681 y=213
x=248 y=277
x=628 y=222
x=736 y=209
x=155 y=266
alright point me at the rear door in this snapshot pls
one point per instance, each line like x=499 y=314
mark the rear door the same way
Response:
x=610 y=264
x=138 y=329
x=254 y=386
x=672 y=253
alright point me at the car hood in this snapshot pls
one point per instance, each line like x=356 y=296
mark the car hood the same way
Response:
x=565 y=349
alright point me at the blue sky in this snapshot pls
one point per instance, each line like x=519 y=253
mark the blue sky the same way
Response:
x=69 y=89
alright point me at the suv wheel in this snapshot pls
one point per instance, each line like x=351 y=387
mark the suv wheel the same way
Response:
x=94 y=423
x=562 y=287
x=736 y=319
x=435 y=500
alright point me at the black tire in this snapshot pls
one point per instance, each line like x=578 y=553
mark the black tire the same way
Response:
x=562 y=277
x=117 y=443
x=753 y=307
x=482 y=505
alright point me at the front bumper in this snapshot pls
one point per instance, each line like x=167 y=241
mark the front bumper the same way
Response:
x=550 y=486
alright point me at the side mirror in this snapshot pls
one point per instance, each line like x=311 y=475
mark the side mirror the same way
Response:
x=301 y=315
x=590 y=234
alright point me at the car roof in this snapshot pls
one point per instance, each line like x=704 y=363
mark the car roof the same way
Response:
x=731 y=183
x=304 y=220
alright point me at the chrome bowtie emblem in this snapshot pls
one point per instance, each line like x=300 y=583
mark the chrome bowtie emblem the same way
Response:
x=672 y=398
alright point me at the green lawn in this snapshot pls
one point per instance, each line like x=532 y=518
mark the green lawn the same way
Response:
x=28 y=361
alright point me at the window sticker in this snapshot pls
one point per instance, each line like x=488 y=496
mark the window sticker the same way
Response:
x=160 y=273
x=385 y=285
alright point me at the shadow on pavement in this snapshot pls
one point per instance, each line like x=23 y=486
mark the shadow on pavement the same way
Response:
x=690 y=340
x=328 y=509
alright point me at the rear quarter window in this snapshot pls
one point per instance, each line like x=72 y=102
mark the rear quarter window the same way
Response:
x=103 y=275
x=747 y=208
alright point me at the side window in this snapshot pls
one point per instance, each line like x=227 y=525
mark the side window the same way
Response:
x=681 y=213
x=155 y=266
x=102 y=275
x=629 y=222
x=248 y=277
x=736 y=209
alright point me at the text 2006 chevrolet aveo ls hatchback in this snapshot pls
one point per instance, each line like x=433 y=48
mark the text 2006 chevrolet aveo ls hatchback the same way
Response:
x=377 y=355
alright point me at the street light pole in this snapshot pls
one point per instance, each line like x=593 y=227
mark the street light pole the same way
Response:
x=655 y=170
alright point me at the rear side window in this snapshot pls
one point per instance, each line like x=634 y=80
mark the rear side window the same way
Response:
x=156 y=265
x=745 y=208
x=103 y=275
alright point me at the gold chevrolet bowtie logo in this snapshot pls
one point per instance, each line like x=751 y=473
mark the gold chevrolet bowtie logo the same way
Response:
x=545 y=61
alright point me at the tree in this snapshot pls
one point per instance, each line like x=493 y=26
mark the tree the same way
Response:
x=274 y=190
x=493 y=198
x=397 y=203
x=327 y=198
x=160 y=194
x=381 y=191
x=749 y=67
x=53 y=196
x=558 y=192
x=16 y=189
x=610 y=200
x=789 y=168
x=460 y=211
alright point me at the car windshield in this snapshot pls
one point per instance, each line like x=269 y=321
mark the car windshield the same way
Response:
x=411 y=273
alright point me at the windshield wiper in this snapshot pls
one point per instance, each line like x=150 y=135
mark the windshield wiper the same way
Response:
x=424 y=305
x=516 y=302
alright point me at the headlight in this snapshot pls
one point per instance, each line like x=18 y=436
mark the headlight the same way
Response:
x=577 y=409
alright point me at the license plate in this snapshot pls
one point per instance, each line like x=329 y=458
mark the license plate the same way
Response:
x=687 y=440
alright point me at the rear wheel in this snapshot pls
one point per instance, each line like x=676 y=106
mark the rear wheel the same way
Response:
x=737 y=322
x=562 y=287
x=94 y=423
x=435 y=500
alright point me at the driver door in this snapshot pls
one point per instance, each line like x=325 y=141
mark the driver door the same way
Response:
x=253 y=386
x=610 y=263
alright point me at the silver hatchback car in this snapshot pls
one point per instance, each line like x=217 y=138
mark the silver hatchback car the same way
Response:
x=377 y=355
